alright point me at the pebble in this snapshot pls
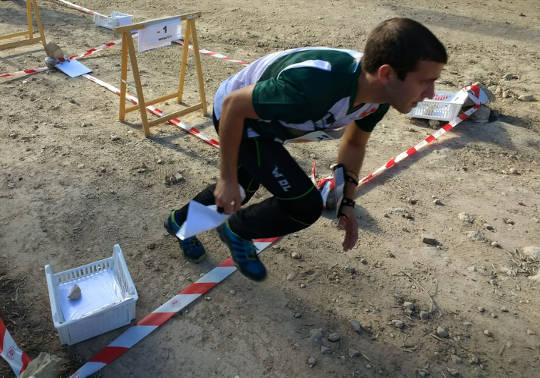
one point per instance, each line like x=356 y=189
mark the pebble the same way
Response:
x=311 y=361
x=476 y=236
x=350 y=269
x=526 y=98
x=423 y=373
x=397 y=323
x=508 y=221
x=232 y=292
x=532 y=251
x=474 y=360
x=103 y=169
x=465 y=217
x=504 y=309
x=75 y=293
x=325 y=349
x=437 y=202
x=495 y=244
x=424 y=315
x=159 y=161
x=530 y=332
x=353 y=353
x=488 y=333
x=357 y=326
x=334 y=337
x=412 y=201
x=291 y=276
x=408 y=306
x=115 y=137
x=80 y=166
x=429 y=239
x=363 y=261
x=457 y=359
x=296 y=255
x=494 y=315
x=297 y=315
x=513 y=171
x=489 y=227
x=208 y=298
x=442 y=332
x=316 y=335
x=452 y=372
x=481 y=309
x=302 y=286
x=510 y=76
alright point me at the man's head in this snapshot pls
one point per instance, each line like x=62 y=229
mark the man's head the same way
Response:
x=401 y=43
x=406 y=58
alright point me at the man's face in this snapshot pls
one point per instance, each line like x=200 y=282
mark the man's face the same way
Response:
x=418 y=85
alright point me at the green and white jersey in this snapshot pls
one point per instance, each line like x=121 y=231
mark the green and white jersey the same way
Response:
x=303 y=94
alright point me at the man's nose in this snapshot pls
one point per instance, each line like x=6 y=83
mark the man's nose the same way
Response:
x=429 y=92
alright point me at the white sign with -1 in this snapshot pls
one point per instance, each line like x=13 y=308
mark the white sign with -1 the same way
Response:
x=159 y=35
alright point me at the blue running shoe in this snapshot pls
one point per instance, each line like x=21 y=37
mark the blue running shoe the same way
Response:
x=244 y=253
x=191 y=247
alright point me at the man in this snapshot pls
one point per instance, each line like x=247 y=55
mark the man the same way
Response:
x=306 y=93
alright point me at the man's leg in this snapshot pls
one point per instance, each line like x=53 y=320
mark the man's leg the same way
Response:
x=296 y=204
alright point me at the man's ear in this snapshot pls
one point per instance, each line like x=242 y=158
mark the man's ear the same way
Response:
x=385 y=73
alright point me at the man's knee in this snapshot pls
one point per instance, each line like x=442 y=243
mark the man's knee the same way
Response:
x=307 y=209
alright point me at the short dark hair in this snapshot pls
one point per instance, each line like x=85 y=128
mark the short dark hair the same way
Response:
x=401 y=43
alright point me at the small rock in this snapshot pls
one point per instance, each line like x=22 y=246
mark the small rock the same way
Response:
x=476 y=236
x=297 y=315
x=510 y=76
x=408 y=306
x=481 y=309
x=115 y=137
x=488 y=333
x=412 y=201
x=452 y=372
x=291 y=276
x=530 y=332
x=442 y=332
x=363 y=261
x=75 y=292
x=80 y=166
x=350 y=269
x=437 y=202
x=423 y=373
x=526 y=98
x=457 y=359
x=508 y=221
x=489 y=227
x=474 y=360
x=232 y=292
x=357 y=326
x=513 y=171
x=532 y=252
x=296 y=255
x=325 y=349
x=311 y=361
x=494 y=315
x=397 y=323
x=103 y=169
x=495 y=244
x=316 y=335
x=159 y=161
x=208 y=298
x=429 y=239
x=353 y=353
x=433 y=123
x=334 y=337
x=467 y=218
x=504 y=309
x=424 y=315
x=302 y=286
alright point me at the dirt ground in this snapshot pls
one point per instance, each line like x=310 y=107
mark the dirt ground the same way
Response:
x=75 y=181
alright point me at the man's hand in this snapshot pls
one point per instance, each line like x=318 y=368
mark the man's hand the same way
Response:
x=227 y=195
x=348 y=223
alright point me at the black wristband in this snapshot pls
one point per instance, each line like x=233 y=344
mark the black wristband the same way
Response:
x=351 y=179
x=347 y=202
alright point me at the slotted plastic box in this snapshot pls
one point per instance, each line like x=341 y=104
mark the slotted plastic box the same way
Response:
x=114 y=20
x=444 y=106
x=108 y=298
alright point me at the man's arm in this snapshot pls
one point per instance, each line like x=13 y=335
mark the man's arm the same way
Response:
x=351 y=154
x=237 y=106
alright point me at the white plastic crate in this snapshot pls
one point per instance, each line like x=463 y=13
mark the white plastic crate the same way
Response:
x=444 y=106
x=114 y=20
x=107 y=301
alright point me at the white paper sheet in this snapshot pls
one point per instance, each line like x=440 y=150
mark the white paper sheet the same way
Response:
x=73 y=68
x=159 y=35
x=200 y=218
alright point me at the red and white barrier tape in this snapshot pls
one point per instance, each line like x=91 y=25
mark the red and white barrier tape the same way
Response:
x=159 y=316
x=78 y=7
x=81 y=55
x=474 y=96
x=215 y=54
x=156 y=111
x=16 y=358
